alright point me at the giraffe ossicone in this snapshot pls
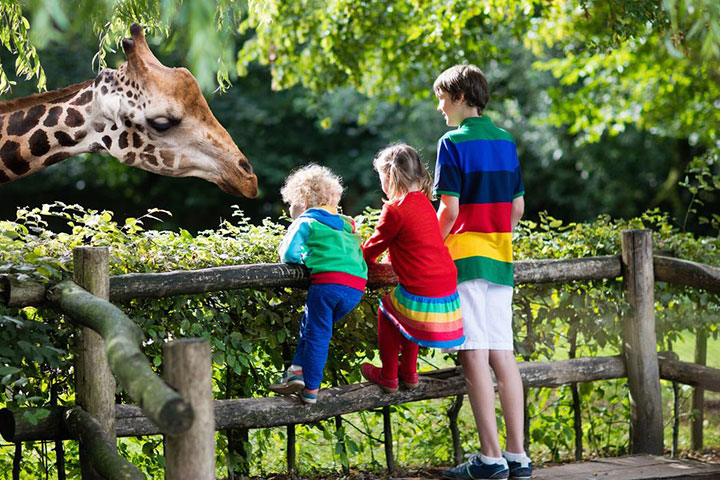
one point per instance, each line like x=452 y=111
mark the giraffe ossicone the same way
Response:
x=143 y=113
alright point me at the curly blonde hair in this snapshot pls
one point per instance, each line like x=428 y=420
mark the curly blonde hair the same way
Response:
x=312 y=186
x=402 y=165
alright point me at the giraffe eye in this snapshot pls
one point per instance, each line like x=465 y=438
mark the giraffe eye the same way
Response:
x=162 y=123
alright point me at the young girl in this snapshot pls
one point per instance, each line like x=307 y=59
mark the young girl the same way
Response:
x=424 y=309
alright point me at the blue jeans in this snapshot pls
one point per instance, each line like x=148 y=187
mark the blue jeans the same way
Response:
x=326 y=304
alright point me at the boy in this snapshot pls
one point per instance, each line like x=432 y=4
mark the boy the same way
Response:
x=328 y=246
x=478 y=180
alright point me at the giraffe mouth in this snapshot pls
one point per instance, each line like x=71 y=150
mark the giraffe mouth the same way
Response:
x=246 y=186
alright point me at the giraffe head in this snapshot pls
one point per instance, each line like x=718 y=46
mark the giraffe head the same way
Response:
x=162 y=123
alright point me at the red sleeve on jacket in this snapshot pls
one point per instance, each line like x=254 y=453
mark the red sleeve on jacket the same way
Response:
x=385 y=231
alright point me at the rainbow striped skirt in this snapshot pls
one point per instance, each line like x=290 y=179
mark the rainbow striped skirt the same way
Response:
x=428 y=321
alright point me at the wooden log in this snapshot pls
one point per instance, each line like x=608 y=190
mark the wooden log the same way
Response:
x=291 y=449
x=684 y=272
x=100 y=447
x=188 y=369
x=690 y=373
x=567 y=270
x=186 y=282
x=20 y=292
x=94 y=382
x=639 y=344
x=122 y=336
x=278 y=411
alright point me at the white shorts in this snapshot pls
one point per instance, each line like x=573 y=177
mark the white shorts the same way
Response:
x=487 y=316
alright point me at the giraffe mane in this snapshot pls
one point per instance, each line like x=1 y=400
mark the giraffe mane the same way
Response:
x=32 y=100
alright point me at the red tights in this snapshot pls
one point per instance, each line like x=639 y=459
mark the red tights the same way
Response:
x=390 y=342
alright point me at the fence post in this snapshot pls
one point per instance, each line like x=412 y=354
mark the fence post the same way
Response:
x=94 y=382
x=640 y=344
x=188 y=370
x=698 y=398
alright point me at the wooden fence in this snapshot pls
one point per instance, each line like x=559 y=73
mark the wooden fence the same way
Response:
x=181 y=407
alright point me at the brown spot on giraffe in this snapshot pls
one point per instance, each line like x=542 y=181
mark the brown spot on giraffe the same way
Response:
x=53 y=116
x=123 y=140
x=137 y=141
x=99 y=127
x=129 y=158
x=55 y=158
x=107 y=141
x=22 y=122
x=168 y=158
x=74 y=118
x=83 y=99
x=149 y=158
x=11 y=158
x=39 y=144
x=64 y=139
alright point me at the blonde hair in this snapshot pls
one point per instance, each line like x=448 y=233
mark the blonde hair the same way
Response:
x=402 y=165
x=312 y=186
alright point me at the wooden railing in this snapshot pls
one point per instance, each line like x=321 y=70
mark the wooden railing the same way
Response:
x=639 y=362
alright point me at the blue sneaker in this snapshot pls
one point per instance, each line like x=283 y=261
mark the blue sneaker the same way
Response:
x=519 y=470
x=476 y=469
x=290 y=382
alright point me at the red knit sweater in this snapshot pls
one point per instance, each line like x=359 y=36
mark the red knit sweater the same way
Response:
x=409 y=229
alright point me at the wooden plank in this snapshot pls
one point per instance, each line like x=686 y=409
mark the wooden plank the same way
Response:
x=634 y=467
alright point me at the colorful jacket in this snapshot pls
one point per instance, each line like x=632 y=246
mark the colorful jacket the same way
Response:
x=328 y=246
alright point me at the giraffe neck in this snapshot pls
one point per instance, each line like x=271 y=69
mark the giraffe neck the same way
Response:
x=44 y=129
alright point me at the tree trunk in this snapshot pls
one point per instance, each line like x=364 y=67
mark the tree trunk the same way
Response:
x=100 y=447
x=387 y=429
x=162 y=404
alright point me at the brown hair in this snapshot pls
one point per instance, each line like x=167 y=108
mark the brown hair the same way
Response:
x=402 y=165
x=467 y=81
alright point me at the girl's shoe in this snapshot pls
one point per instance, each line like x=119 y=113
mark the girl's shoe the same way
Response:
x=291 y=381
x=410 y=382
x=374 y=374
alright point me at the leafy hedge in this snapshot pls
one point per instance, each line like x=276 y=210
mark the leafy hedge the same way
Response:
x=253 y=332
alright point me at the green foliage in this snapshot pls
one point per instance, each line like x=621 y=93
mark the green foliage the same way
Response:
x=253 y=332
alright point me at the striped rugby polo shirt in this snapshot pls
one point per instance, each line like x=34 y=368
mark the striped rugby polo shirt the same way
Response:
x=478 y=163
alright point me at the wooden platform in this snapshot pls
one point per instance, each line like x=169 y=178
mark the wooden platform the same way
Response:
x=635 y=467
x=631 y=468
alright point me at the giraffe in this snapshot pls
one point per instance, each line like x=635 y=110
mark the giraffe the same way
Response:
x=143 y=113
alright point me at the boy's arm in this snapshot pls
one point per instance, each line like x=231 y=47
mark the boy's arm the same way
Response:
x=447 y=213
x=292 y=248
x=518 y=208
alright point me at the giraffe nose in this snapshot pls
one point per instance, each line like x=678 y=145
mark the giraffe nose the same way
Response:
x=246 y=167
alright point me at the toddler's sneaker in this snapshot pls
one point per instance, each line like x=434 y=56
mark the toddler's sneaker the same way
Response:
x=519 y=464
x=290 y=382
x=476 y=469
x=374 y=374
x=308 y=397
